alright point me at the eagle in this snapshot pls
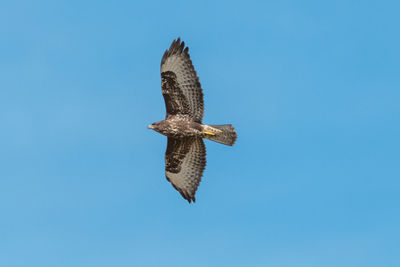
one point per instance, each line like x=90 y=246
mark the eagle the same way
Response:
x=185 y=157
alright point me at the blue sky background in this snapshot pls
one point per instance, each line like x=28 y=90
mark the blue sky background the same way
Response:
x=313 y=88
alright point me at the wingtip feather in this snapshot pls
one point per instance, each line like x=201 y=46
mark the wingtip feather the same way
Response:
x=177 y=47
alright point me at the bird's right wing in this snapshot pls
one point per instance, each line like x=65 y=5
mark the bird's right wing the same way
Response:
x=185 y=161
x=180 y=85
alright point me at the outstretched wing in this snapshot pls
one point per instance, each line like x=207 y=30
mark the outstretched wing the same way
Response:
x=180 y=85
x=185 y=160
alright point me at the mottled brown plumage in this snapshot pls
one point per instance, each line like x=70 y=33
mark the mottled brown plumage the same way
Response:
x=185 y=158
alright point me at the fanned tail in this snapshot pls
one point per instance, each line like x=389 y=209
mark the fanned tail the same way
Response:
x=227 y=137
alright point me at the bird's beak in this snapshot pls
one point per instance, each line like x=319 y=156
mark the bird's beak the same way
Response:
x=150 y=127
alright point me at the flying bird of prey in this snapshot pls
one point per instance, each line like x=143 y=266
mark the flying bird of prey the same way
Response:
x=185 y=158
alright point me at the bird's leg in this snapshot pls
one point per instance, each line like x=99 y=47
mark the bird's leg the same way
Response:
x=209 y=131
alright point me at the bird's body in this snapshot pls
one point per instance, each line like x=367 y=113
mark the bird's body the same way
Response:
x=178 y=128
x=185 y=158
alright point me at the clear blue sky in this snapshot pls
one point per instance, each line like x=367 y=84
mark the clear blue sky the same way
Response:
x=312 y=87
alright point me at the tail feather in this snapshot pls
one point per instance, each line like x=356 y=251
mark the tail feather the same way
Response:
x=227 y=137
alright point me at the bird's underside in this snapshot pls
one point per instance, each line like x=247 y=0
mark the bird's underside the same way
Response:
x=185 y=157
x=179 y=128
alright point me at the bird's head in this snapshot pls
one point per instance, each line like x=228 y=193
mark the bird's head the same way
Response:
x=156 y=126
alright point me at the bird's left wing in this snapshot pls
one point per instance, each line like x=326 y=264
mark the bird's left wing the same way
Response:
x=180 y=85
x=185 y=160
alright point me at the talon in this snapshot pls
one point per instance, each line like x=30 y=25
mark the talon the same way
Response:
x=208 y=133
